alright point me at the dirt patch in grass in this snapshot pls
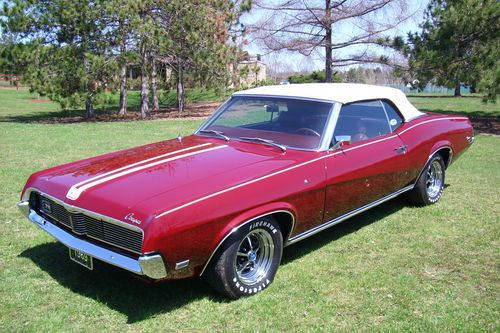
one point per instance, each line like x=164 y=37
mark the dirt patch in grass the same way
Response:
x=39 y=100
x=486 y=125
x=192 y=111
x=199 y=110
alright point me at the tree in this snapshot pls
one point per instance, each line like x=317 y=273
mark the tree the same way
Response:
x=68 y=48
x=12 y=60
x=198 y=33
x=458 y=44
x=314 y=77
x=310 y=26
x=122 y=14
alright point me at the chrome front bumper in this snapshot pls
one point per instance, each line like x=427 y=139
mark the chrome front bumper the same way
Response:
x=149 y=265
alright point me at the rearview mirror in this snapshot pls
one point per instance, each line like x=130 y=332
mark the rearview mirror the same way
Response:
x=271 y=108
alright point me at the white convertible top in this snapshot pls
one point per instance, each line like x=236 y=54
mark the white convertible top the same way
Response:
x=339 y=92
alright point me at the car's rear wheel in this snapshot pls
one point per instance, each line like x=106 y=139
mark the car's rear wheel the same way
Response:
x=429 y=187
x=247 y=262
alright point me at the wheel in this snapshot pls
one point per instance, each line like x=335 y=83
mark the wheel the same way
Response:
x=248 y=260
x=307 y=130
x=430 y=185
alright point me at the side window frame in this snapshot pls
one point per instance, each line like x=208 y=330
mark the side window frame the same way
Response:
x=333 y=141
x=393 y=106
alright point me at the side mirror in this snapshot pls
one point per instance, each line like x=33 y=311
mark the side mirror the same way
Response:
x=341 y=141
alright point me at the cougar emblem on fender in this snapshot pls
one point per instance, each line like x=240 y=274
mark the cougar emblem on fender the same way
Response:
x=130 y=217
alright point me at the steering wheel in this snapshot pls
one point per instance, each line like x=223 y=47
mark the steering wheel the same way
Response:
x=308 y=130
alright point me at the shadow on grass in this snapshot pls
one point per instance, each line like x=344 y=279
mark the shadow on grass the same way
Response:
x=139 y=300
x=471 y=114
x=443 y=96
x=61 y=116
x=120 y=291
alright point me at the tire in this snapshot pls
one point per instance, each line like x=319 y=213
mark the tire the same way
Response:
x=248 y=260
x=430 y=185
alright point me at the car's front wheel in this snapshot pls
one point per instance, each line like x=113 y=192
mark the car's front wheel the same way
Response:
x=248 y=260
x=429 y=187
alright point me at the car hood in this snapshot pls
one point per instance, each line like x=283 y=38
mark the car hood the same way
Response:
x=126 y=185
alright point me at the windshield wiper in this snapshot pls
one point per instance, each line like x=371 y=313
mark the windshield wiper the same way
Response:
x=264 y=141
x=219 y=133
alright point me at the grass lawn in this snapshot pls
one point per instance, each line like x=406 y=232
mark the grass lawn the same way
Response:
x=471 y=105
x=393 y=268
x=21 y=106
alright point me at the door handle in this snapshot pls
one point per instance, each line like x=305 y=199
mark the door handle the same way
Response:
x=401 y=149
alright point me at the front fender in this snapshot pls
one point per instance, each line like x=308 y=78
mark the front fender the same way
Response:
x=247 y=217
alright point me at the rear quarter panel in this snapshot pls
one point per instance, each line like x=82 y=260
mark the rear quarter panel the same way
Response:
x=427 y=134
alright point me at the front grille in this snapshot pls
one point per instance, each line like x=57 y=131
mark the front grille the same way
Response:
x=56 y=211
x=85 y=225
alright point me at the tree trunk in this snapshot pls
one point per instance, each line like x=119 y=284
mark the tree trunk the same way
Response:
x=457 y=89
x=89 y=107
x=123 y=89
x=180 y=89
x=328 y=42
x=144 y=84
x=154 y=85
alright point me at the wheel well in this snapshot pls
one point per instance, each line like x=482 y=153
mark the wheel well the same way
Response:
x=446 y=153
x=286 y=222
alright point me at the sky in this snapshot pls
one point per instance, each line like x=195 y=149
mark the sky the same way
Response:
x=298 y=62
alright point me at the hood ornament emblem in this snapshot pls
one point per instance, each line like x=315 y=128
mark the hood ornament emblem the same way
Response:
x=130 y=217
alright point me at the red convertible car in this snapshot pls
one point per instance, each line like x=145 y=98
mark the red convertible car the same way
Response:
x=271 y=167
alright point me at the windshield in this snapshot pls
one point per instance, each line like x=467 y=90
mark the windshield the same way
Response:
x=292 y=123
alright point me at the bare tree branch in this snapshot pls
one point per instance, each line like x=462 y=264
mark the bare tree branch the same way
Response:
x=307 y=26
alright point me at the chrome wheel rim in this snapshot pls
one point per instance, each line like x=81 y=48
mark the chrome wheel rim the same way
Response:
x=254 y=257
x=434 y=179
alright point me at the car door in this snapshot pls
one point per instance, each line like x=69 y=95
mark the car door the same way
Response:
x=370 y=165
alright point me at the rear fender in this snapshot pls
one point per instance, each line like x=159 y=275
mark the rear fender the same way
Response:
x=441 y=145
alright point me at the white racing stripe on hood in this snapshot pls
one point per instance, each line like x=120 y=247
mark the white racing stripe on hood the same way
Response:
x=135 y=164
x=76 y=190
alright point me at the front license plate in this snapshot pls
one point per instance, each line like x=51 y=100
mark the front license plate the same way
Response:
x=82 y=258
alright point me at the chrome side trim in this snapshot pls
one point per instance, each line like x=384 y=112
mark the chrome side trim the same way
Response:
x=239 y=226
x=148 y=265
x=341 y=218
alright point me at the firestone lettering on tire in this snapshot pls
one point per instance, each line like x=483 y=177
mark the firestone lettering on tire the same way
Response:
x=251 y=290
x=263 y=224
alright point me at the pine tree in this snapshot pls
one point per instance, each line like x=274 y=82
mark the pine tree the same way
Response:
x=459 y=44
